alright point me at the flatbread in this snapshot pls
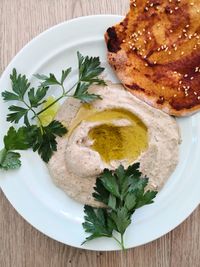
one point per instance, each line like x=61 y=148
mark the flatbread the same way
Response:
x=155 y=52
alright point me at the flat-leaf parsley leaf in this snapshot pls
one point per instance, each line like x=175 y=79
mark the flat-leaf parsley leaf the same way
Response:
x=122 y=191
x=37 y=136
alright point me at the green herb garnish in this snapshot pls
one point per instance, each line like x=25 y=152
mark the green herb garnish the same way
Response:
x=9 y=160
x=36 y=136
x=122 y=191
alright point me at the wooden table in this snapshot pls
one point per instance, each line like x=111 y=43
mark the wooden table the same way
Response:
x=20 y=244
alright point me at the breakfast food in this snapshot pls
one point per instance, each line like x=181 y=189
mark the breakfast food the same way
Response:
x=106 y=148
x=119 y=129
x=155 y=52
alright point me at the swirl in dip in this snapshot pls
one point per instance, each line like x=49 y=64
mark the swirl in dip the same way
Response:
x=119 y=129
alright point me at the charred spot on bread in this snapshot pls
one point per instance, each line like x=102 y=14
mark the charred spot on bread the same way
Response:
x=113 y=43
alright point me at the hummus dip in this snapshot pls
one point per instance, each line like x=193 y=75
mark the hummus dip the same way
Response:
x=119 y=129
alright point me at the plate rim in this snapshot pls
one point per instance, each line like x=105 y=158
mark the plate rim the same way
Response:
x=2 y=77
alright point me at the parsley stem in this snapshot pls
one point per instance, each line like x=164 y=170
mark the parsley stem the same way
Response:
x=50 y=105
x=71 y=88
x=120 y=243
x=117 y=240
x=58 y=99
x=63 y=89
x=30 y=108
x=35 y=115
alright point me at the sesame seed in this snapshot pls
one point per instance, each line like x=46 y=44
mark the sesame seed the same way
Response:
x=175 y=95
x=158 y=49
x=146 y=8
x=154 y=62
x=187 y=26
x=151 y=5
x=191 y=4
x=175 y=48
x=180 y=82
x=186 y=75
x=171 y=11
x=184 y=30
x=198 y=97
x=195 y=34
x=182 y=53
x=150 y=38
x=176 y=8
x=146 y=64
x=169 y=52
x=148 y=33
x=191 y=78
x=195 y=93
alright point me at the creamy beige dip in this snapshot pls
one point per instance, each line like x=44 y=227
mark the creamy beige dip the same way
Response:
x=75 y=165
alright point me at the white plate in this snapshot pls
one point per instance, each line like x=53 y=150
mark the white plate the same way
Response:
x=30 y=189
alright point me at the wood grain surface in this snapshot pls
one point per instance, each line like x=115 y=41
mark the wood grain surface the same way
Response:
x=20 y=244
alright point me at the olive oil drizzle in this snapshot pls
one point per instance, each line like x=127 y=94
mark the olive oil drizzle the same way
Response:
x=111 y=141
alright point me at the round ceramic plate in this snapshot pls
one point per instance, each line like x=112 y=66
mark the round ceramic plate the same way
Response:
x=30 y=189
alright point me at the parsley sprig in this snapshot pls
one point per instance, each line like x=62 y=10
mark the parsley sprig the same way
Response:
x=35 y=135
x=89 y=71
x=122 y=191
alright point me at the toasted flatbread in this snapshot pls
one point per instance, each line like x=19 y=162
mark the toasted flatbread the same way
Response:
x=155 y=52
